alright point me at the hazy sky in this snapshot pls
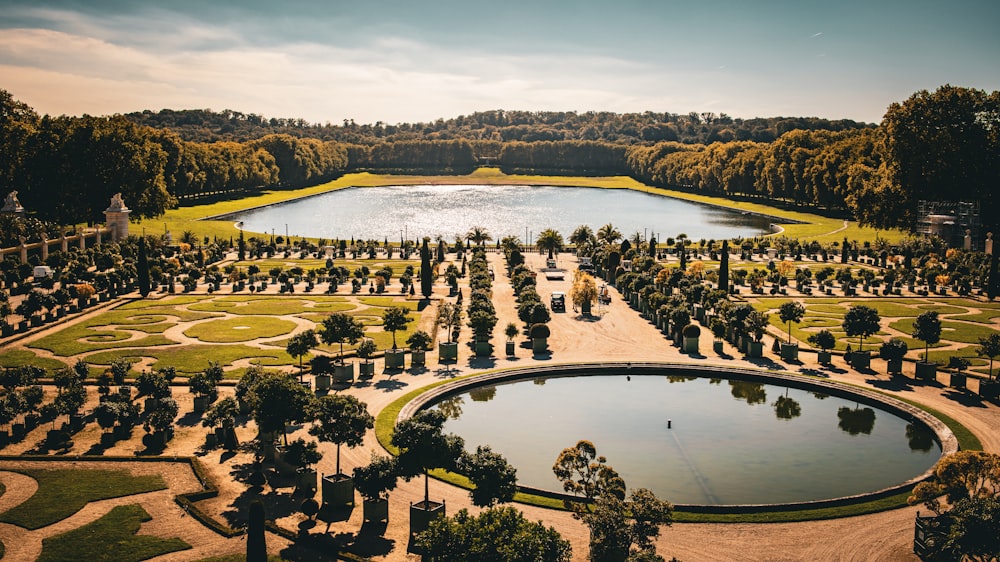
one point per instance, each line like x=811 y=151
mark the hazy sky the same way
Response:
x=408 y=60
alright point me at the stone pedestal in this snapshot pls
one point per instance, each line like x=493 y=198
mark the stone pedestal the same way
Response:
x=116 y=218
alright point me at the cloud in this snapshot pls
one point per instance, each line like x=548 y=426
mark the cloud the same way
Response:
x=815 y=35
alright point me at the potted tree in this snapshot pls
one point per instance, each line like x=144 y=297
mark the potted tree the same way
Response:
x=511 y=332
x=825 y=341
x=374 y=482
x=159 y=425
x=449 y=317
x=718 y=327
x=958 y=377
x=321 y=367
x=539 y=334
x=861 y=321
x=301 y=455
x=221 y=418
x=365 y=350
x=202 y=386
x=989 y=347
x=482 y=323
x=394 y=319
x=419 y=342
x=343 y=420
x=584 y=292
x=300 y=344
x=755 y=324
x=790 y=311
x=423 y=446
x=893 y=352
x=927 y=328
x=690 y=333
x=338 y=328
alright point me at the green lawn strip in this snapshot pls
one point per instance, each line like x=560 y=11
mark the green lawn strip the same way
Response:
x=386 y=420
x=247 y=328
x=167 y=301
x=941 y=356
x=63 y=492
x=276 y=306
x=961 y=332
x=386 y=302
x=67 y=342
x=190 y=359
x=19 y=357
x=111 y=538
x=984 y=317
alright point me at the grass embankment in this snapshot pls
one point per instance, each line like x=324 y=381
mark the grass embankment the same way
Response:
x=62 y=493
x=812 y=227
x=386 y=420
x=111 y=538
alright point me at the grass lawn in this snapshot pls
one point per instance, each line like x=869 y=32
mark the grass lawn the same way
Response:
x=232 y=330
x=814 y=227
x=191 y=359
x=19 y=357
x=62 y=493
x=111 y=538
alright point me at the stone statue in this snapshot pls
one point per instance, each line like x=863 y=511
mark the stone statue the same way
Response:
x=116 y=203
x=11 y=204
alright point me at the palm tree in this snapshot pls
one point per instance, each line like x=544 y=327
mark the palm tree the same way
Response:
x=550 y=240
x=608 y=234
x=479 y=235
x=581 y=236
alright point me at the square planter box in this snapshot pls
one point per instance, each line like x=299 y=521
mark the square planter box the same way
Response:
x=717 y=347
x=421 y=515
x=367 y=369
x=790 y=351
x=322 y=381
x=483 y=349
x=448 y=351
x=510 y=349
x=305 y=480
x=343 y=373
x=690 y=345
x=989 y=389
x=418 y=358
x=861 y=359
x=539 y=345
x=926 y=371
x=376 y=510
x=394 y=359
x=894 y=366
x=201 y=403
x=755 y=349
x=338 y=489
x=958 y=380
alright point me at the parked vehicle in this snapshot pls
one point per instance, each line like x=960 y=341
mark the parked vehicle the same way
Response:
x=558 y=303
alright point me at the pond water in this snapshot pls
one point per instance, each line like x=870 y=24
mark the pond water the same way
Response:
x=729 y=441
x=415 y=211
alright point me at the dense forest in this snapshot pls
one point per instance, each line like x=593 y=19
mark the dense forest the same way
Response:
x=942 y=145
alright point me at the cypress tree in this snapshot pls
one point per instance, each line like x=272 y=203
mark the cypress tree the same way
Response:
x=426 y=277
x=843 y=251
x=142 y=268
x=724 y=267
x=256 y=541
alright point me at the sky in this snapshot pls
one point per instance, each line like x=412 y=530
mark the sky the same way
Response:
x=399 y=61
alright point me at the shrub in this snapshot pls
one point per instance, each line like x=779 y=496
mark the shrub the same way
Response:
x=539 y=331
x=893 y=350
x=691 y=331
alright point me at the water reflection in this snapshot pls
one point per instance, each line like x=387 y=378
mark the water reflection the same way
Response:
x=679 y=378
x=857 y=420
x=786 y=408
x=752 y=392
x=919 y=437
x=483 y=393
x=820 y=395
x=452 y=406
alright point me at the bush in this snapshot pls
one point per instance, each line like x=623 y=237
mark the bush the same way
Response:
x=691 y=331
x=539 y=331
x=893 y=350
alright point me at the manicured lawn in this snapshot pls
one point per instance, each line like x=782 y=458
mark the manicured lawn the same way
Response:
x=190 y=359
x=18 y=357
x=111 y=538
x=62 y=493
x=232 y=330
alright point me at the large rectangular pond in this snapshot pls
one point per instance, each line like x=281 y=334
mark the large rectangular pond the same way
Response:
x=697 y=440
x=414 y=211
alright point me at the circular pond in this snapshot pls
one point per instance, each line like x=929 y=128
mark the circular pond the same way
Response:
x=700 y=440
x=446 y=210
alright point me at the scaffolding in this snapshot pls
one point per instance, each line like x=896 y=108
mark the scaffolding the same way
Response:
x=950 y=220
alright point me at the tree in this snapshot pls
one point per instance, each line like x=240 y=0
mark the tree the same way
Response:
x=791 y=311
x=340 y=327
x=927 y=328
x=478 y=235
x=419 y=340
x=423 y=446
x=550 y=240
x=377 y=479
x=989 y=347
x=824 y=339
x=395 y=319
x=300 y=344
x=498 y=534
x=449 y=317
x=608 y=234
x=426 y=275
x=493 y=478
x=142 y=268
x=755 y=324
x=341 y=419
x=612 y=534
x=861 y=321
x=963 y=475
x=256 y=539
x=276 y=400
x=584 y=291
x=724 y=267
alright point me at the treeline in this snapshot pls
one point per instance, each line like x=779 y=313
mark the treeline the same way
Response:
x=203 y=125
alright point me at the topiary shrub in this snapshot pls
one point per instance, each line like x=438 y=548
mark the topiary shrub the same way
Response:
x=893 y=350
x=539 y=331
x=691 y=331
